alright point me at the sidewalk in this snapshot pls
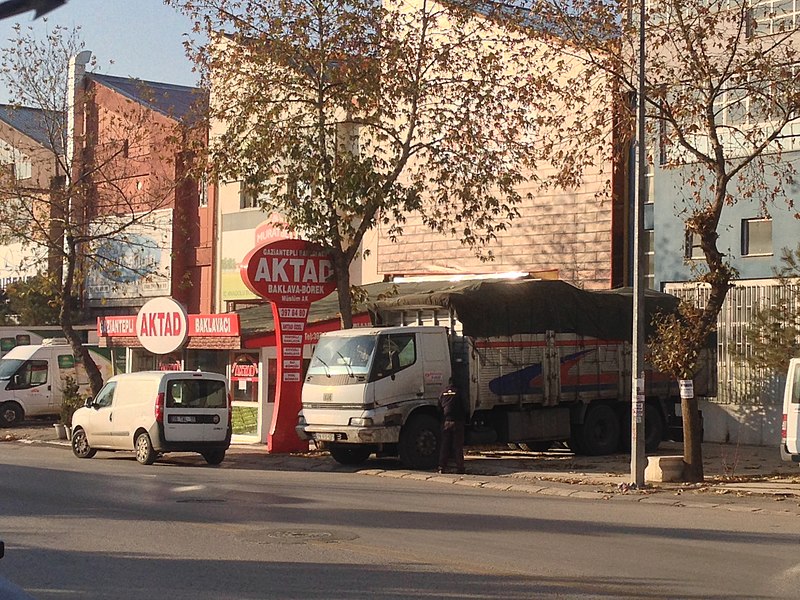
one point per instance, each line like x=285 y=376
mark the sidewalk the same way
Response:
x=737 y=477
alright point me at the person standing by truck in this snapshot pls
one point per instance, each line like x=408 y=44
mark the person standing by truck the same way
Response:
x=453 y=415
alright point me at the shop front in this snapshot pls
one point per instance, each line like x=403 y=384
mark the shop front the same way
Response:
x=240 y=345
x=212 y=343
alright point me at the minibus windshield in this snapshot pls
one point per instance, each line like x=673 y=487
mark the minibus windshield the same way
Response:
x=9 y=366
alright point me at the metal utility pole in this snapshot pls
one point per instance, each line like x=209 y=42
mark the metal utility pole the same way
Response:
x=638 y=459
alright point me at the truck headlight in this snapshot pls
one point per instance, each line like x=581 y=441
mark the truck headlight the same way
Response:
x=360 y=422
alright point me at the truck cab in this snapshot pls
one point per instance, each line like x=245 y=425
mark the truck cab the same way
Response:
x=375 y=390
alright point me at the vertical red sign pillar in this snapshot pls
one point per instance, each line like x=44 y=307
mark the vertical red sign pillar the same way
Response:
x=291 y=274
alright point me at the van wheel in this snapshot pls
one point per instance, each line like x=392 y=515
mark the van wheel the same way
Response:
x=350 y=455
x=144 y=449
x=419 y=442
x=10 y=414
x=214 y=457
x=80 y=444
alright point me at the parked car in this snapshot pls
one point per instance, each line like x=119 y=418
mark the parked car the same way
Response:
x=154 y=412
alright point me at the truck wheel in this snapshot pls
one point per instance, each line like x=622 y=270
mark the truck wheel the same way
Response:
x=10 y=414
x=419 y=442
x=536 y=446
x=600 y=430
x=144 y=449
x=653 y=428
x=350 y=455
x=80 y=444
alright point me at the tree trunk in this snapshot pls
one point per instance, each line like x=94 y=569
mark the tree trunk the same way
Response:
x=692 y=440
x=342 y=268
x=66 y=315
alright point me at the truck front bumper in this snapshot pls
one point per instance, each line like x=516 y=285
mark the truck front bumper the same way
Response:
x=350 y=435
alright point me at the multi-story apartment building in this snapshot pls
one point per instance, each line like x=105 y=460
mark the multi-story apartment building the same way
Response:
x=135 y=143
x=753 y=231
x=27 y=156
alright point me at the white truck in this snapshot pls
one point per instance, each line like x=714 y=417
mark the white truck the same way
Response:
x=31 y=379
x=538 y=362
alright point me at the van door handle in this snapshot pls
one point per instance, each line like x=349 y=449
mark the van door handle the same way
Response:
x=49 y=388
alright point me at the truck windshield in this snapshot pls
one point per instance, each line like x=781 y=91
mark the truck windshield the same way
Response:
x=9 y=366
x=342 y=356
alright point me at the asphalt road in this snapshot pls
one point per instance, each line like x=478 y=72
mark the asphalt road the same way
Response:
x=109 y=528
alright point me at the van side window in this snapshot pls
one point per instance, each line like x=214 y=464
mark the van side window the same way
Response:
x=30 y=374
x=106 y=395
x=796 y=386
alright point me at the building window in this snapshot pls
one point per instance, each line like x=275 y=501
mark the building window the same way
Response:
x=775 y=16
x=693 y=249
x=248 y=198
x=202 y=191
x=648 y=240
x=756 y=237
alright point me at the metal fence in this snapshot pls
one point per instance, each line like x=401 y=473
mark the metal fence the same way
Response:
x=739 y=383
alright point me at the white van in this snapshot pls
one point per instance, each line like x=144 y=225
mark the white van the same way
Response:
x=152 y=412
x=31 y=379
x=790 y=428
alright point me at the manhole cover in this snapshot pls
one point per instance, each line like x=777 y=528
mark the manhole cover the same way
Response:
x=201 y=500
x=296 y=536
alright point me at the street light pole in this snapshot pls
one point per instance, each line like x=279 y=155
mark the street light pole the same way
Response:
x=637 y=371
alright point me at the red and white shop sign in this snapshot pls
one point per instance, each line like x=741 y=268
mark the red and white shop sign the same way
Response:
x=116 y=326
x=221 y=325
x=289 y=272
x=214 y=325
x=162 y=325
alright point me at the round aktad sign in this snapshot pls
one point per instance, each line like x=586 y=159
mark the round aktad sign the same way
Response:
x=162 y=325
x=289 y=272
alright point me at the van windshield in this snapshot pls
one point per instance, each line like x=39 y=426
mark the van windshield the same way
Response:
x=9 y=366
x=196 y=393
x=342 y=356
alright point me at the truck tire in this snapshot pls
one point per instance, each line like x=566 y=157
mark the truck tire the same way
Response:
x=600 y=430
x=536 y=446
x=653 y=428
x=419 y=442
x=10 y=414
x=349 y=454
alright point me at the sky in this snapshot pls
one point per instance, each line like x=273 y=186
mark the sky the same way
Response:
x=130 y=38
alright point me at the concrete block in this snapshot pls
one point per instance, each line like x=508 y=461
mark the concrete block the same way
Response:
x=664 y=468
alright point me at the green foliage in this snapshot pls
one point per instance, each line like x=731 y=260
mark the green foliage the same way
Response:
x=34 y=301
x=343 y=116
x=774 y=335
x=71 y=399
